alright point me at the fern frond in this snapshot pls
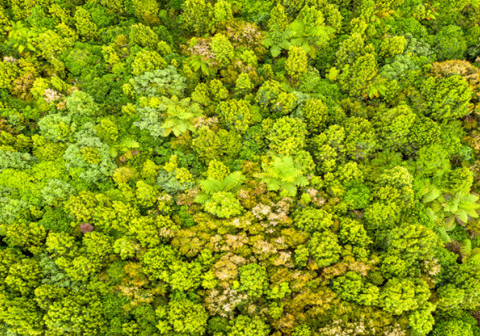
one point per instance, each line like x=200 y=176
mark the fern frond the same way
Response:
x=466 y=248
x=201 y=198
x=443 y=235
x=290 y=188
x=211 y=186
x=431 y=195
x=233 y=181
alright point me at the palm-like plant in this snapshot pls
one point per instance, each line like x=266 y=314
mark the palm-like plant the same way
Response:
x=461 y=207
x=211 y=186
x=178 y=115
x=283 y=173
x=456 y=208
x=218 y=197
x=23 y=37
x=198 y=64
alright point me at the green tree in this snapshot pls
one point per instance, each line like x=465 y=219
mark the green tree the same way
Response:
x=147 y=10
x=356 y=79
x=236 y=114
x=223 y=49
x=287 y=135
x=245 y=326
x=400 y=295
x=446 y=98
x=197 y=16
x=83 y=23
x=182 y=317
x=324 y=248
x=297 y=62
x=253 y=279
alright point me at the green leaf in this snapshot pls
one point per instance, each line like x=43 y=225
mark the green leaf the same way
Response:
x=444 y=237
x=275 y=51
x=233 y=181
x=291 y=189
x=431 y=195
x=472 y=198
x=450 y=223
x=211 y=186
x=462 y=214
x=129 y=143
x=202 y=198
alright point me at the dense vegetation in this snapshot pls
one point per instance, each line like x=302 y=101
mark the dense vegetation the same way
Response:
x=239 y=167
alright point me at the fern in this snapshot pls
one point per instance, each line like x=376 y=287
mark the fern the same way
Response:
x=233 y=181
x=179 y=115
x=432 y=194
x=466 y=249
x=284 y=174
x=211 y=186
x=462 y=207
x=198 y=64
x=443 y=235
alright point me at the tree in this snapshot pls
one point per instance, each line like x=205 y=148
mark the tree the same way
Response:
x=9 y=71
x=360 y=138
x=222 y=48
x=83 y=23
x=197 y=16
x=287 y=135
x=253 y=279
x=297 y=62
x=422 y=321
x=21 y=315
x=89 y=159
x=397 y=123
x=272 y=96
x=219 y=145
x=446 y=98
x=324 y=248
x=454 y=327
x=235 y=114
x=160 y=82
x=182 y=317
x=392 y=46
x=312 y=220
x=143 y=35
x=315 y=113
x=79 y=313
x=147 y=10
x=450 y=43
x=356 y=79
x=352 y=232
x=412 y=242
x=400 y=295
x=147 y=61
x=57 y=127
x=245 y=326
x=81 y=104
x=222 y=12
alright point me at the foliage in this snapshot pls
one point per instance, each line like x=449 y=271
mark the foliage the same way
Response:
x=239 y=167
x=283 y=174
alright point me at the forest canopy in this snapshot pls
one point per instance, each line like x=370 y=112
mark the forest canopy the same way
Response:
x=239 y=167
